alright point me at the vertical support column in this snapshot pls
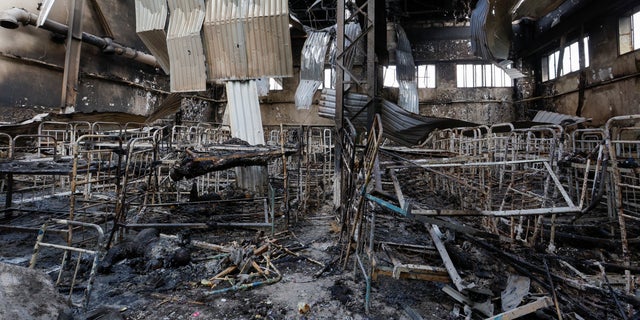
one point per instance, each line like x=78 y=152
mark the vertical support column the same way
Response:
x=339 y=184
x=72 y=58
x=371 y=60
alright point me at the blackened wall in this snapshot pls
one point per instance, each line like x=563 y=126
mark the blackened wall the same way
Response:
x=32 y=60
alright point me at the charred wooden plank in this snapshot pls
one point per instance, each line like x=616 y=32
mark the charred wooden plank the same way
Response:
x=193 y=165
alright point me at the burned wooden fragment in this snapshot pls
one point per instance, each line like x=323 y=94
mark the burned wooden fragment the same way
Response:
x=194 y=165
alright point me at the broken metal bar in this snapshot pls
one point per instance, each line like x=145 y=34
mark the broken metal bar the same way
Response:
x=526 y=309
x=485 y=308
x=451 y=269
x=166 y=225
x=623 y=314
x=553 y=289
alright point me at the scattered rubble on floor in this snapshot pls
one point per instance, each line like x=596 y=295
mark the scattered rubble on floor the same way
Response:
x=482 y=222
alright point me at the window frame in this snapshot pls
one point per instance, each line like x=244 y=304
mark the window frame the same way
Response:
x=570 y=60
x=481 y=75
x=629 y=32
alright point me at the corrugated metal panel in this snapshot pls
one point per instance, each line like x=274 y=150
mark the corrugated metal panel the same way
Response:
x=405 y=66
x=408 y=95
x=313 y=55
x=248 y=39
x=399 y=125
x=311 y=67
x=244 y=111
x=406 y=73
x=245 y=121
x=186 y=54
x=305 y=92
x=557 y=118
x=491 y=29
x=151 y=18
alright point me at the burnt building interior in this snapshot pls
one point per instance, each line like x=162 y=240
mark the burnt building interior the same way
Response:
x=320 y=159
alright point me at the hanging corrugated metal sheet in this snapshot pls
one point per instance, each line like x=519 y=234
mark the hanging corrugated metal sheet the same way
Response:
x=248 y=39
x=244 y=111
x=311 y=67
x=245 y=120
x=398 y=124
x=186 y=54
x=405 y=66
x=491 y=29
x=151 y=18
x=408 y=95
x=406 y=73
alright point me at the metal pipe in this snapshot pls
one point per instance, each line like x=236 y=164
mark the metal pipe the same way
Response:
x=12 y=18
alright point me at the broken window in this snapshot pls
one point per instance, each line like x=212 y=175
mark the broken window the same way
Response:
x=275 y=84
x=389 y=77
x=426 y=76
x=570 y=60
x=481 y=75
x=328 y=79
x=629 y=33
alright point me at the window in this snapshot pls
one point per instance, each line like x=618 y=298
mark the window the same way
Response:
x=389 y=77
x=629 y=30
x=327 y=79
x=481 y=75
x=426 y=76
x=570 y=60
x=275 y=84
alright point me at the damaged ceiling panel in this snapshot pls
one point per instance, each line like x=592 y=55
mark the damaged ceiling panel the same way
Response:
x=244 y=111
x=311 y=67
x=248 y=39
x=491 y=29
x=186 y=54
x=151 y=18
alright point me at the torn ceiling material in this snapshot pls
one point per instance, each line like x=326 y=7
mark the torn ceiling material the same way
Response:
x=248 y=39
x=311 y=67
x=151 y=18
x=186 y=54
x=491 y=29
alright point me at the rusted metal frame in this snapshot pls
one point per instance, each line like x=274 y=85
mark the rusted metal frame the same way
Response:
x=367 y=270
x=626 y=255
x=347 y=174
x=78 y=152
x=367 y=163
x=96 y=252
x=526 y=309
x=72 y=57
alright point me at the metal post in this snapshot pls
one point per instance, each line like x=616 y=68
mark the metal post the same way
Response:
x=72 y=58
x=337 y=196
